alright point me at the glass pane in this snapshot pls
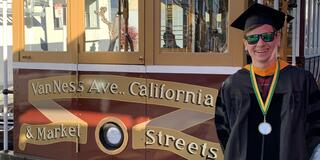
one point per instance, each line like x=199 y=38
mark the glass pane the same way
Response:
x=194 y=25
x=111 y=25
x=45 y=25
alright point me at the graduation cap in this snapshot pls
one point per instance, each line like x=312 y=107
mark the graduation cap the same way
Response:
x=261 y=14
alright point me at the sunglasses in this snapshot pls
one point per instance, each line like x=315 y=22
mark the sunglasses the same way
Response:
x=266 y=37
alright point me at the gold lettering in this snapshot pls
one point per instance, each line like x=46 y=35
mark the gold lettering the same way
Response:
x=203 y=149
x=143 y=90
x=81 y=87
x=114 y=88
x=209 y=100
x=178 y=94
x=169 y=94
x=199 y=95
x=72 y=131
x=56 y=86
x=213 y=153
x=94 y=87
x=78 y=132
x=192 y=148
x=179 y=144
x=34 y=88
x=160 y=138
x=29 y=133
x=162 y=91
x=192 y=95
x=41 y=133
x=72 y=87
x=56 y=131
x=105 y=87
x=50 y=134
x=167 y=140
x=63 y=131
x=41 y=90
x=65 y=87
x=131 y=88
x=149 y=135
x=47 y=89
x=151 y=90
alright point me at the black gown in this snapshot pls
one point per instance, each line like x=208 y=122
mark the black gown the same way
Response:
x=294 y=115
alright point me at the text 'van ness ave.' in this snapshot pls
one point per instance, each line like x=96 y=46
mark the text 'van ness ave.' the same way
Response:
x=149 y=90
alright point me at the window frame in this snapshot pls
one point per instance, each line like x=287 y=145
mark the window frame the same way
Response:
x=20 y=54
x=150 y=52
x=230 y=58
x=106 y=57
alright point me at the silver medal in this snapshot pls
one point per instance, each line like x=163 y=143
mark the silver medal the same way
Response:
x=264 y=128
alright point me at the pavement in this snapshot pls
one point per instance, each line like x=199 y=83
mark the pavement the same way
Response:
x=9 y=155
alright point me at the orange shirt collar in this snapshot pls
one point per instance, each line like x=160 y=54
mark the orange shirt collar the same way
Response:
x=268 y=71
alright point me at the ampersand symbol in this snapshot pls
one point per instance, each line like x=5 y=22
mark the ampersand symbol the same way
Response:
x=29 y=134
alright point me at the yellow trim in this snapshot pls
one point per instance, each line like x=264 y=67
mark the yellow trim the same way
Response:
x=17 y=8
x=268 y=71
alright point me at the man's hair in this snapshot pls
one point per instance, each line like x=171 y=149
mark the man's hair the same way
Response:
x=253 y=27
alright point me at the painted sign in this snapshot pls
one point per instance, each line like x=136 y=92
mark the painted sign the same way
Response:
x=157 y=133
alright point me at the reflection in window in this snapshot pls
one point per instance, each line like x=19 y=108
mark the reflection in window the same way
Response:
x=118 y=25
x=45 y=25
x=92 y=20
x=194 y=26
x=59 y=14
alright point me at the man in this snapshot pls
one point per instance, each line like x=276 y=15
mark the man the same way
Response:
x=268 y=110
x=169 y=40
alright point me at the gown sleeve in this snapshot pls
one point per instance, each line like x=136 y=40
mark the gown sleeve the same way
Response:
x=221 y=119
x=313 y=116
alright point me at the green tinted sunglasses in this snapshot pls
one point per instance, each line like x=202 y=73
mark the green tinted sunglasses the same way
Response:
x=266 y=37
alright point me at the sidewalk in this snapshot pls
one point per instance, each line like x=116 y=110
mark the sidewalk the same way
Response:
x=11 y=156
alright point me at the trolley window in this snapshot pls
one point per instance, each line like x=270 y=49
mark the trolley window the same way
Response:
x=196 y=32
x=158 y=32
x=194 y=26
x=44 y=24
x=117 y=36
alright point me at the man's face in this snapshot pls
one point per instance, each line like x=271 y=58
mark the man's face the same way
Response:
x=262 y=53
x=170 y=40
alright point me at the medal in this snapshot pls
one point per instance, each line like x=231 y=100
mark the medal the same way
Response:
x=264 y=127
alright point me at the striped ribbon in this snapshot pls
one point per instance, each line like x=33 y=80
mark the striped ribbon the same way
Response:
x=264 y=106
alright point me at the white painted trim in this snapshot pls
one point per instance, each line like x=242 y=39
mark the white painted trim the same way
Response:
x=193 y=69
x=225 y=70
x=45 y=66
x=112 y=68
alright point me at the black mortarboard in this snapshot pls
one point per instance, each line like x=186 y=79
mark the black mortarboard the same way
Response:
x=260 y=14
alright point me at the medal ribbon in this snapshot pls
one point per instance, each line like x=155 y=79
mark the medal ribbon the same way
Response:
x=264 y=106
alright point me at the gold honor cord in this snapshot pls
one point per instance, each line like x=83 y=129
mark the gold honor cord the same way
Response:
x=264 y=106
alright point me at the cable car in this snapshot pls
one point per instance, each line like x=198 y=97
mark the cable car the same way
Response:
x=122 y=79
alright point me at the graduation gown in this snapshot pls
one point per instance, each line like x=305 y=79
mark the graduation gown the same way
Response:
x=294 y=115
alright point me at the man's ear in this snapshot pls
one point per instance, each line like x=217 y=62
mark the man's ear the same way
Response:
x=278 y=39
x=245 y=43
